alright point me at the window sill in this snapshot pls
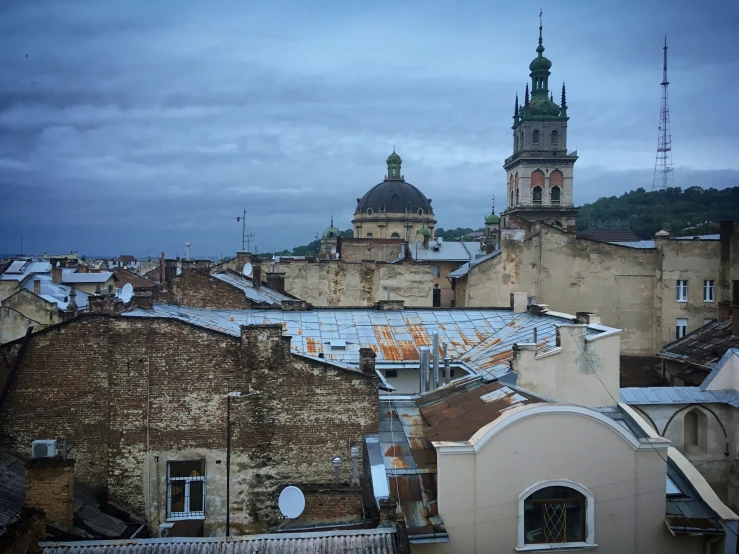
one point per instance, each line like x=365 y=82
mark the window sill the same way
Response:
x=682 y=301
x=557 y=547
x=183 y=518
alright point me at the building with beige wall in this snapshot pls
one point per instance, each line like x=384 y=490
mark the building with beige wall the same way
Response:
x=393 y=209
x=655 y=291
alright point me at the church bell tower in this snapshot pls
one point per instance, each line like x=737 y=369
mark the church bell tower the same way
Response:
x=539 y=174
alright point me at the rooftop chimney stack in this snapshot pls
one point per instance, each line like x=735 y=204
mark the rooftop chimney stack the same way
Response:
x=163 y=271
x=435 y=347
x=37 y=286
x=367 y=361
x=256 y=264
x=72 y=305
x=50 y=487
x=56 y=273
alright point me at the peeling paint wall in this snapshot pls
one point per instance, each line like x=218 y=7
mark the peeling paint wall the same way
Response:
x=336 y=283
x=131 y=394
x=22 y=309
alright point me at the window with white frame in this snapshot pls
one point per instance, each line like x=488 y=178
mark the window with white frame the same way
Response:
x=186 y=489
x=681 y=328
x=437 y=271
x=708 y=290
x=557 y=513
x=682 y=290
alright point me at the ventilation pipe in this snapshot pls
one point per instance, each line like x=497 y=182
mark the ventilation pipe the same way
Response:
x=424 y=370
x=355 y=465
x=447 y=367
x=435 y=346
x=336 y=462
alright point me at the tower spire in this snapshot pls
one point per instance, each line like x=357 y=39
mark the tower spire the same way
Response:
x=526 y=96
x=564 y=96
x=663 y=161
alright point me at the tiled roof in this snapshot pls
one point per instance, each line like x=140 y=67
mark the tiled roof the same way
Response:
x=376 y=541
x=480 y=338
x=126 y=258
x=703 y=347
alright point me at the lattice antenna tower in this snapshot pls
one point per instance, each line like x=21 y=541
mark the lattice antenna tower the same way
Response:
x=663 y=163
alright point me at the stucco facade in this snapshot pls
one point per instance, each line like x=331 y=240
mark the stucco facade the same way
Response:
x=633 y=289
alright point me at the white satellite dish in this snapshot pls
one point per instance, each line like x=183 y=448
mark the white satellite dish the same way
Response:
x=291 y=502
x=179 y=271
x=127 y=292
x=247 y=269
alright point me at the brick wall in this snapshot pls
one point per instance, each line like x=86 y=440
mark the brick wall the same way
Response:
x=112 y=385
x=50 y=487
x=197 y=289
x=328 y=502
x=380 y=250
x=23 y=535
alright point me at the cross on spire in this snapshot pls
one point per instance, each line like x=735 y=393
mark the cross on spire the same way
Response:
x=540 y=26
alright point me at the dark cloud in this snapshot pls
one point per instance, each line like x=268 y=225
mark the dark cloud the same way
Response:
x=137 y=126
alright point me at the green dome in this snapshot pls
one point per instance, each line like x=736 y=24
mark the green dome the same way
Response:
x=540 y=63
x=423 y=231
x=394 y=158
x=492 y=219
x=542 y=106
x=331 y=233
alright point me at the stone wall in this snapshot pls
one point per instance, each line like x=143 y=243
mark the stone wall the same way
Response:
x=50 y=487
x=360 y=249
x=335 y=283
x=197 y=289
x=327 y=503
x=132 y=394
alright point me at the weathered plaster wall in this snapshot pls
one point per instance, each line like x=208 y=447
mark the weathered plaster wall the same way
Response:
x=131 y=394
x=379 y=250
x=22 y=309
x=7 y=288
x=335 y=283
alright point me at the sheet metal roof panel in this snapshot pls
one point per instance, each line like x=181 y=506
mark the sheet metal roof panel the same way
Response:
x=676 y=395
x=640 y=244
x=449 y=251
x=23 y=268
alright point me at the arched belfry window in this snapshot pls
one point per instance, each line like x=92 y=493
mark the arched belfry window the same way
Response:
x=555 y=195
x=535 y=136
x=555 y=138
x=537 y=196
x=556 y=513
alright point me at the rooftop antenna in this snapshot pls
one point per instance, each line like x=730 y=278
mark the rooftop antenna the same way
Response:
x=246 y=238
x=663 y=162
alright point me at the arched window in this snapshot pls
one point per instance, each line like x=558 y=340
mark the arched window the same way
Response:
x=695 y=426
x=523 y=140
x=395 y=236
x=515 y=143
x=555 y=138
x=537 y=196
x=556 y=513
x=369 y=235
x=395 y=172
x=511 y=204
x=420 y=211
x=370 y=211
x=555 y=195
x=517 y=197
x=535 y=137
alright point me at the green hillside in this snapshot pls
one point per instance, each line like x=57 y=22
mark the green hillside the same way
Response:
x=692 y=211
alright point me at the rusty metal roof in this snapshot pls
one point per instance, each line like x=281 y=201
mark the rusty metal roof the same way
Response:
x=482 y=339
x=704 y=347
x=458 y=411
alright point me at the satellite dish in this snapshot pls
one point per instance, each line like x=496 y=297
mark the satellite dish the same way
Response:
x=127 y=292
x=179 y=271
x=247 y=269
x=439 y=240
x=291 y=502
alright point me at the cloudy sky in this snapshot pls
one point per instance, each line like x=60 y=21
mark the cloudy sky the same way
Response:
x=135 y=126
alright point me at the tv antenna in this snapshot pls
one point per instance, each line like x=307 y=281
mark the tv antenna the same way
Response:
x=246 y=238
x=663 y=162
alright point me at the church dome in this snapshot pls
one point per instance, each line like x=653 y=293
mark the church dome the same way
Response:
x=541 y=105
x=492 y=219
x=331 y=233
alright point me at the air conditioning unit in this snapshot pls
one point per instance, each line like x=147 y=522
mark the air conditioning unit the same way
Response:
x=164 y=529
x=43 y=449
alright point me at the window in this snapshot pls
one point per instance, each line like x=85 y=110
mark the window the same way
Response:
x=370 y=211
x=681 y=328
x=695 y=426
x=516 y=197
x=557 y=512
x=555 y=195
x=708 y=290
x=537 y=196
x=708 y=320
x=511 y=198
x=535 y=137
x=391 y=373
x=515 y=145
x=682 y=290
x=110 y=288
x=369 y=235
x=420 y=211
x=555 y=138
x=437 y=271
x=395 y=236
x=186 y=489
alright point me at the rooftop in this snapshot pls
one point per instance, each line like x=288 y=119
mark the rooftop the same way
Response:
x=480 y=339
x=445 y=251
x=704 y=347
x=641 y=396
x=262 y=295
x=20 y=269
x=69 y=275
x=464 y=269
x=57 y=293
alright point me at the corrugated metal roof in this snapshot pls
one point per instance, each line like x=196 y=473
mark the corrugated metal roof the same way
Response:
x=377 y=541
x=263 y=295
x=465 y=268
x=640 y=244
x=640 y=396
x=57 y=292
x=20 y=269
x=69 y=275
x=699 y=237
x=481 y=338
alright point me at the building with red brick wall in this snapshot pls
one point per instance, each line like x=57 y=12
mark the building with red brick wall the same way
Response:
x=142 y=404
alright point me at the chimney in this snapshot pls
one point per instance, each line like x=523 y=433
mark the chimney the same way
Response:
x=276 y=281
x=50 y=487
x=72 y=305
x=735 y=320
x=726 y=230
x=519 y=302
x=367 y=361
x=426 y=241
x=83 y=269
x=256 y=274
x=56 y=274
x=355 y=465
x=423 y=374
x=163 y=273
x=390 y=305
x=37 y=286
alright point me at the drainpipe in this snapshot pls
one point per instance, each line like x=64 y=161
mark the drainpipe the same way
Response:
x=435 y=346
x=707 y=546
x=424 y=368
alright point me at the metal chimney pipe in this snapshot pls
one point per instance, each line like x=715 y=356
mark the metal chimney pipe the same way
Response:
x=355 y=465
x=336 y=462
x=535 y=341
x=425 y=354
x=435 y=346
x=447 y=370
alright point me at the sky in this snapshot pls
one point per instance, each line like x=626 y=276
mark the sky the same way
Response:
x=136 y=126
